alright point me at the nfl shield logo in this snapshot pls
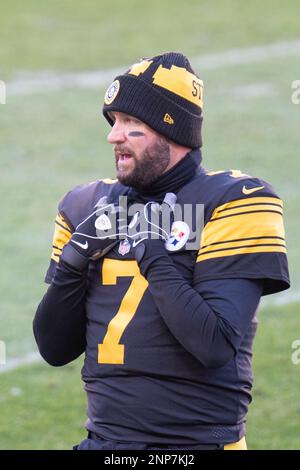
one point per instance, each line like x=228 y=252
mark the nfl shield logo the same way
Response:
x=124 y=247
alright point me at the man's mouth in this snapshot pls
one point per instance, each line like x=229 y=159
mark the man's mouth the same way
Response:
x=122 y=157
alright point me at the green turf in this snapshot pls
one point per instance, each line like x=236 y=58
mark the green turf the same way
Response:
x=67 y=35
x=51 y=141
x=42 y=408
x=273 y=421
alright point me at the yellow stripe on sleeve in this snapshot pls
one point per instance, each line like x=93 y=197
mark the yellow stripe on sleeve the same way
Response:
x=226 y=245
x=61 y=237
x=55 y=257
x=248 y=205
x=242 y=251
x=257 y=230
x=61 y=221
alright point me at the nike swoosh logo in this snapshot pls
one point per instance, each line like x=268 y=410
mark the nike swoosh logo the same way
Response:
x=248 y=191
x=135 y=243
x=84 y=246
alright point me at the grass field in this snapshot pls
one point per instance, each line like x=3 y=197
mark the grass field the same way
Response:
x=51 y=141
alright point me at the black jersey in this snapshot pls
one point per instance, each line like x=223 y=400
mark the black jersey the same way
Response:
x=142 y=384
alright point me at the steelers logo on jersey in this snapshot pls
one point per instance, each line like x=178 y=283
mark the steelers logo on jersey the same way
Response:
x=179 y=235
x=112 y=92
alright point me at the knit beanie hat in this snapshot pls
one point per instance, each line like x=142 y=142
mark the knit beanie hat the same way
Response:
x=164 y=93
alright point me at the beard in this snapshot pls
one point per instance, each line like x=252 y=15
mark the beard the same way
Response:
x=148 y=168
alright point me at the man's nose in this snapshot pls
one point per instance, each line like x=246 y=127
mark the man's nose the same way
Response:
x=117 y=134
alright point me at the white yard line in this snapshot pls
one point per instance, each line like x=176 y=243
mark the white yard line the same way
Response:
x=28 y=83
x=281 y=300
x=16 y=362
x=248 y=55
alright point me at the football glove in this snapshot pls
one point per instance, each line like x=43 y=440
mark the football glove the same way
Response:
x=150 y=226
x=96 y=235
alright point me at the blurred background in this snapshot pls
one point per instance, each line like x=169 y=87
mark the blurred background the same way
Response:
x=57 y=59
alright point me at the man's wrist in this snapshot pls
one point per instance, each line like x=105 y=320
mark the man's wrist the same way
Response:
x=72 y=257
x=147 y=252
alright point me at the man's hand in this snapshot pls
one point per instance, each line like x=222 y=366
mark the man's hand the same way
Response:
x=96 y=234
x=150 y=226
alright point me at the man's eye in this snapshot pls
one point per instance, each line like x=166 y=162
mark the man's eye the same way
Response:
x=132 y=120
x=136 y=121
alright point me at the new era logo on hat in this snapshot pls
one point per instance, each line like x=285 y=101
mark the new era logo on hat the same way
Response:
x=168 y=119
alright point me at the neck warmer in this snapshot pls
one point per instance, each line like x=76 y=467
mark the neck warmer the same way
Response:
x=171 y=181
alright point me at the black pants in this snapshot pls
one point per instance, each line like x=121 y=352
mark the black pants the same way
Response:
x=95 y=442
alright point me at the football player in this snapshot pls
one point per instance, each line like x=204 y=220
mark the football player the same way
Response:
x=165 y=314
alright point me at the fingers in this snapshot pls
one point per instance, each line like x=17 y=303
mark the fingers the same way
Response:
x=110 y=220
x=170 y=199
x=102 y=202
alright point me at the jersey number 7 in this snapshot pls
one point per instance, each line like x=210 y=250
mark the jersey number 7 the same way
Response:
x=111 y=351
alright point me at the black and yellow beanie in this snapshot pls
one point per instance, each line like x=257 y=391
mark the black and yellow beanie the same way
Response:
x=163 y=92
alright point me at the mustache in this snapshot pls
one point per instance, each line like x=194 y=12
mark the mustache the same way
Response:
x=119 y=149
x=122 y=149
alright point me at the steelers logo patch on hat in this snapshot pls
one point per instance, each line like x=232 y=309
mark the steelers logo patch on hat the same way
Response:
x=112 y=92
